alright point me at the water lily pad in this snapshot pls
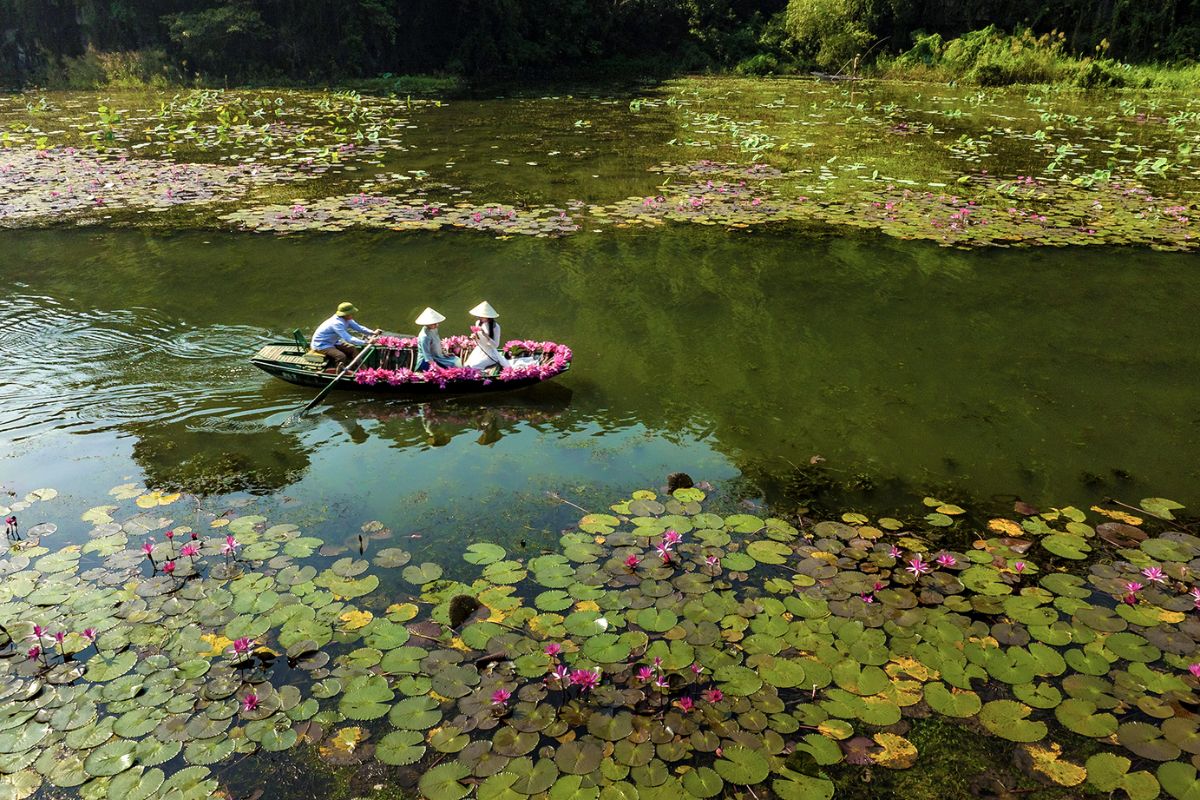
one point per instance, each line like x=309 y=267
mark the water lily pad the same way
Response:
x=742 y=766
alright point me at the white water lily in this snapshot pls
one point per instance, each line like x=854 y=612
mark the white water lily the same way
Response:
x=602 y=623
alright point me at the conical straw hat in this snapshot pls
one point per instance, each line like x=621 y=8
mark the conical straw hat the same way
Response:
x=429 y=317
x=485 y=309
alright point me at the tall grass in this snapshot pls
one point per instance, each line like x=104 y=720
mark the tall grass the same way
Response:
x=990 y=57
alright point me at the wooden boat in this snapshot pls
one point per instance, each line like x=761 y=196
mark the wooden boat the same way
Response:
x=388 y=368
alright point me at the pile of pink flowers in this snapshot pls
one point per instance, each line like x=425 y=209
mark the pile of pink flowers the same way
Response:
x=554 y=358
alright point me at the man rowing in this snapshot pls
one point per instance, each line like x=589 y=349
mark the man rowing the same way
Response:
x=335 y=339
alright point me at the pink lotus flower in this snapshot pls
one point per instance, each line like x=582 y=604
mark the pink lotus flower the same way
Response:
x=89 y=634
x=250 y=702
x=632 y=562
x=169 y=567
x=189 y=550
x=1194 y=669
x=917 y=567
x=685 y=704
x=586 y=679
x=645 y=674
x=1155 y=575
x=553 y=649
x=231 y=545
x=713 y=695
x=500 y=697
x=947 y=560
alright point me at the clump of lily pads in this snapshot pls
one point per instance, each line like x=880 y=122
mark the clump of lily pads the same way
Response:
x=662 y=650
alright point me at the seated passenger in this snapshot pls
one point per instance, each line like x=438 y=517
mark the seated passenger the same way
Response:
x=486 y=333
x=429 y=343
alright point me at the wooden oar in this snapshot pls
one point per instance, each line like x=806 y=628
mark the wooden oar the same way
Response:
x=332 y=382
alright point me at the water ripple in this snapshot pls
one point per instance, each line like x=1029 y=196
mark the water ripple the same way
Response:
x=91 y=370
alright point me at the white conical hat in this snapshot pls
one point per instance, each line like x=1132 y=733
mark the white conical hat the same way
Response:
x=430 y=317
x=484 y=309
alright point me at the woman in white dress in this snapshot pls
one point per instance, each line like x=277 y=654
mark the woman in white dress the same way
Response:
x=486 y=333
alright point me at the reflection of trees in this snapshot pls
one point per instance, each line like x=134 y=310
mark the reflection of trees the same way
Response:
x=213 y=460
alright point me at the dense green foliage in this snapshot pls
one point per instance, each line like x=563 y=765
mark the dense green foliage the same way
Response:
x=88 y=42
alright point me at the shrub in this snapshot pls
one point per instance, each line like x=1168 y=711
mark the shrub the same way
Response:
x=761 y=64
x=1099 y=74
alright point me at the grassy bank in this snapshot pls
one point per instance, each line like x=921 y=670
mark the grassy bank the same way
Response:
x=990 y=57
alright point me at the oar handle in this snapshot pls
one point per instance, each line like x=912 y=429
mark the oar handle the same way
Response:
x=333 y=381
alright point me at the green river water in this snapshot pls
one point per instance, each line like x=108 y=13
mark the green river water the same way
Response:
x=837 y=337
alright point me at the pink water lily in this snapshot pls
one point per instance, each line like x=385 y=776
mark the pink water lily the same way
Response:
x=500 y=697
x=189 y=550
x=169 y=567
x=1133 y=586
x=672 y=537
x=89 y=634
x=664 y=550
x=712 y=561
x=713 y=695
x=553 y=649
x=917 y=567
x=632 y=562
x=1019 y=567
x=34 y=652
x=60 y=637
x=1194 y=669
x=1155 y=575
x=243 y=645
x=685 y=704
x=895 y=552
x=250 y=702
x=148 y=549
x=662 y=682
x=38 y=634
x=560 y=673
x=586 y=679
x=645 y=674
x=230 y=547
x=867 y=598
x=697 y=669
x=170 y=535
x=1195 y=595
x=947 y=560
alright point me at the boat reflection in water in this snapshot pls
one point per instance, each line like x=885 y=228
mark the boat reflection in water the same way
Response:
x=437 y=423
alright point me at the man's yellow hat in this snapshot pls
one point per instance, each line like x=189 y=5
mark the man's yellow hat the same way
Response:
x=346 y=309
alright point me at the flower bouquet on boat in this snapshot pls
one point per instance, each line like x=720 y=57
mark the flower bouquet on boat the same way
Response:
x=415 y=365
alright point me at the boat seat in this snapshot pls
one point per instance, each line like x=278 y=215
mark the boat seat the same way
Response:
x=302 y=344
